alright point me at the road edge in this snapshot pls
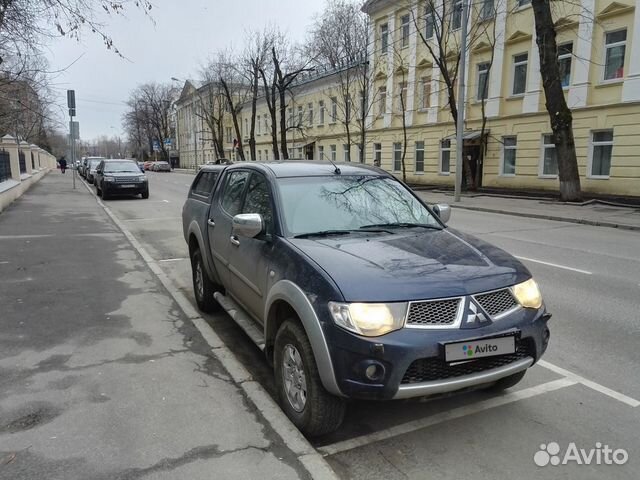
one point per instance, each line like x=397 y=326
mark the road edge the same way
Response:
x=310 y=459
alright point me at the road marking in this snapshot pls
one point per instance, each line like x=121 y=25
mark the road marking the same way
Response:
x=187 y=185
x=172 y=259
x=632 y=402
x=459 y=412
x=149 y=219
x=554 y=265
x=165 y=201
x=4 y=263
x=18 y=237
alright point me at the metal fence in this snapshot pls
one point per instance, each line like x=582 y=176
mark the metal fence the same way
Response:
x=5 y=166
x=23 y=162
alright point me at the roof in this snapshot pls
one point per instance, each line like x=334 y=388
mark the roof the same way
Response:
x=312 y=168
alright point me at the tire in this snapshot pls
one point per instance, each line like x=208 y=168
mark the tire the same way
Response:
x=320 y=412
x=145 y=194
x=203 y=287
x=507 y=382
x=98 y=191
x=105 y=195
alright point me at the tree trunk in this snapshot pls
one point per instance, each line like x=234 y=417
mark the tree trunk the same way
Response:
x=254 y=101
x=283 y=123
x=234 y=117
x=559 y=113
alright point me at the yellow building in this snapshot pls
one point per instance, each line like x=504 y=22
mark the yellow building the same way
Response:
x=600 y=68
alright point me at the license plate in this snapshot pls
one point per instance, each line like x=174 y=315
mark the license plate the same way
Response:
x=486 y=347
x=127 y=186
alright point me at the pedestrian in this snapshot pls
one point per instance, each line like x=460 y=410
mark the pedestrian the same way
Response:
x=63 y=164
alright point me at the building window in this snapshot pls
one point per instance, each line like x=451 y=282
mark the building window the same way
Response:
x=377 y=154
x=310 y=110
x=347 y=152
x=483 y=81
x=565 y=52
x=290 y=121
x=320 y=152
x=520 y=74
x=229 y=134
x=509 y=146
x=397 y=157
x=321 y=107
x=425 y=92
x=445 y=157
x=549 y=157
x=333 y=153
x=486 y=9
x=404 y=21
x=419 y=157
x=259 y=155
x=456 y=14
x=334 y=109
x=246 y=127
x=300 y=115
x=615 y=45
x=258 y=125
x=402 y=97
x=600 y=154
x=429 y=21
x=382 y=100
x=300 y=153
x=266 y=125
x=384 y=38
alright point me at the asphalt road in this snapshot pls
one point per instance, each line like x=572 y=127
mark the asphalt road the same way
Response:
x=585 y=391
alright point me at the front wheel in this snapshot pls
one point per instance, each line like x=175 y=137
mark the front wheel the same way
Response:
x=145 y=194
x=203 y=287
x=300 y=391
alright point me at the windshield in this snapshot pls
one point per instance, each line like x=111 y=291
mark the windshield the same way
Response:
x=94 y=163
x=316 y=204
x=118 y=167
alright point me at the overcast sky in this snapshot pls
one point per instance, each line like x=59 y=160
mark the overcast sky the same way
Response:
x=184 y=33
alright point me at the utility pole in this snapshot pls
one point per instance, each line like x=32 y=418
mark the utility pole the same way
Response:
x=71 y=103
x=461 y=92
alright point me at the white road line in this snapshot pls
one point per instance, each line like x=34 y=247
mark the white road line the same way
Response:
x=172 y=259
x=187 y=185
x=3 y=263
x=165 y=201
x=632 y=402
x=149 y=219
x=554 y=265
x=459 y=412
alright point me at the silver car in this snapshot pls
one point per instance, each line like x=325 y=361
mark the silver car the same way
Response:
x=161 y=167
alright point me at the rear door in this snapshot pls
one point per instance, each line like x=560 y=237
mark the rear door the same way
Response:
x=249 y=258
x=227 y=203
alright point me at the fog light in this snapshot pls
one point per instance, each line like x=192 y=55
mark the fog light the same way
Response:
x=374 y=371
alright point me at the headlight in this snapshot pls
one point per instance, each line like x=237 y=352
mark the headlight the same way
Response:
x=109 y=179
x=528 y=294
x=369 y=319
x=143 y=179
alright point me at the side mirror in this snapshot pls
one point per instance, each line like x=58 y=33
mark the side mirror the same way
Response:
x=247 y=225
x=443 y=211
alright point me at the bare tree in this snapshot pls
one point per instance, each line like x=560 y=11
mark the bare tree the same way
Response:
x=213 y=107
x=559 y=113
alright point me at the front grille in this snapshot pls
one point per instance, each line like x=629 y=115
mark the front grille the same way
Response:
x=496 y=302
x=126 y=179
x=434 y=312
x=430 y=369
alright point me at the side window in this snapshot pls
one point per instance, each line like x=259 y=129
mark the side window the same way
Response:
x=204 y=184
x=258 y=200
x=232 y=194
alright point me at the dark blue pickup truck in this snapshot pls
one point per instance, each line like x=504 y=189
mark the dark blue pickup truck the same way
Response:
x=354 y=288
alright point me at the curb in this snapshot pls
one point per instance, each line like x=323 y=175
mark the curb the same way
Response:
x=310 y=459
x=581 y=221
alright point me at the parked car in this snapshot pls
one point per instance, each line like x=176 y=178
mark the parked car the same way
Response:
x=90 y=170
x=354 y=288
x=84 y=170
x=148 y=165
x=120 y=177
x=222 y=161
x=161 y=167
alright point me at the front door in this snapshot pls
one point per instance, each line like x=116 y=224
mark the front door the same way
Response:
x=249 y=258
x=228 y=204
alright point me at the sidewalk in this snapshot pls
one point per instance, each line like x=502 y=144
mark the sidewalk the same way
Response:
x=595 y=213
x=102 y=376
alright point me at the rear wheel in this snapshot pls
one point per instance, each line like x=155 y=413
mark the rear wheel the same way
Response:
x=302 y=396
x=145 y=194
x=105 y=195
x=203 y=287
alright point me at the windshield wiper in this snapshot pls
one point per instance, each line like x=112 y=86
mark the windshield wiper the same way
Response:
x=402 y=225
x=324 y=233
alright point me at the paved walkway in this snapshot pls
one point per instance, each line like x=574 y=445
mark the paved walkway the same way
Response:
x=590 y=213
x=102 y=375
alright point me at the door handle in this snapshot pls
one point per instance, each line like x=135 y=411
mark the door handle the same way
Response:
x=211 y=223
x=234 y=240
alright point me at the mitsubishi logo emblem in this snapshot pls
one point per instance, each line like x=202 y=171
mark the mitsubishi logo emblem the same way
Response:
x=474 y=314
